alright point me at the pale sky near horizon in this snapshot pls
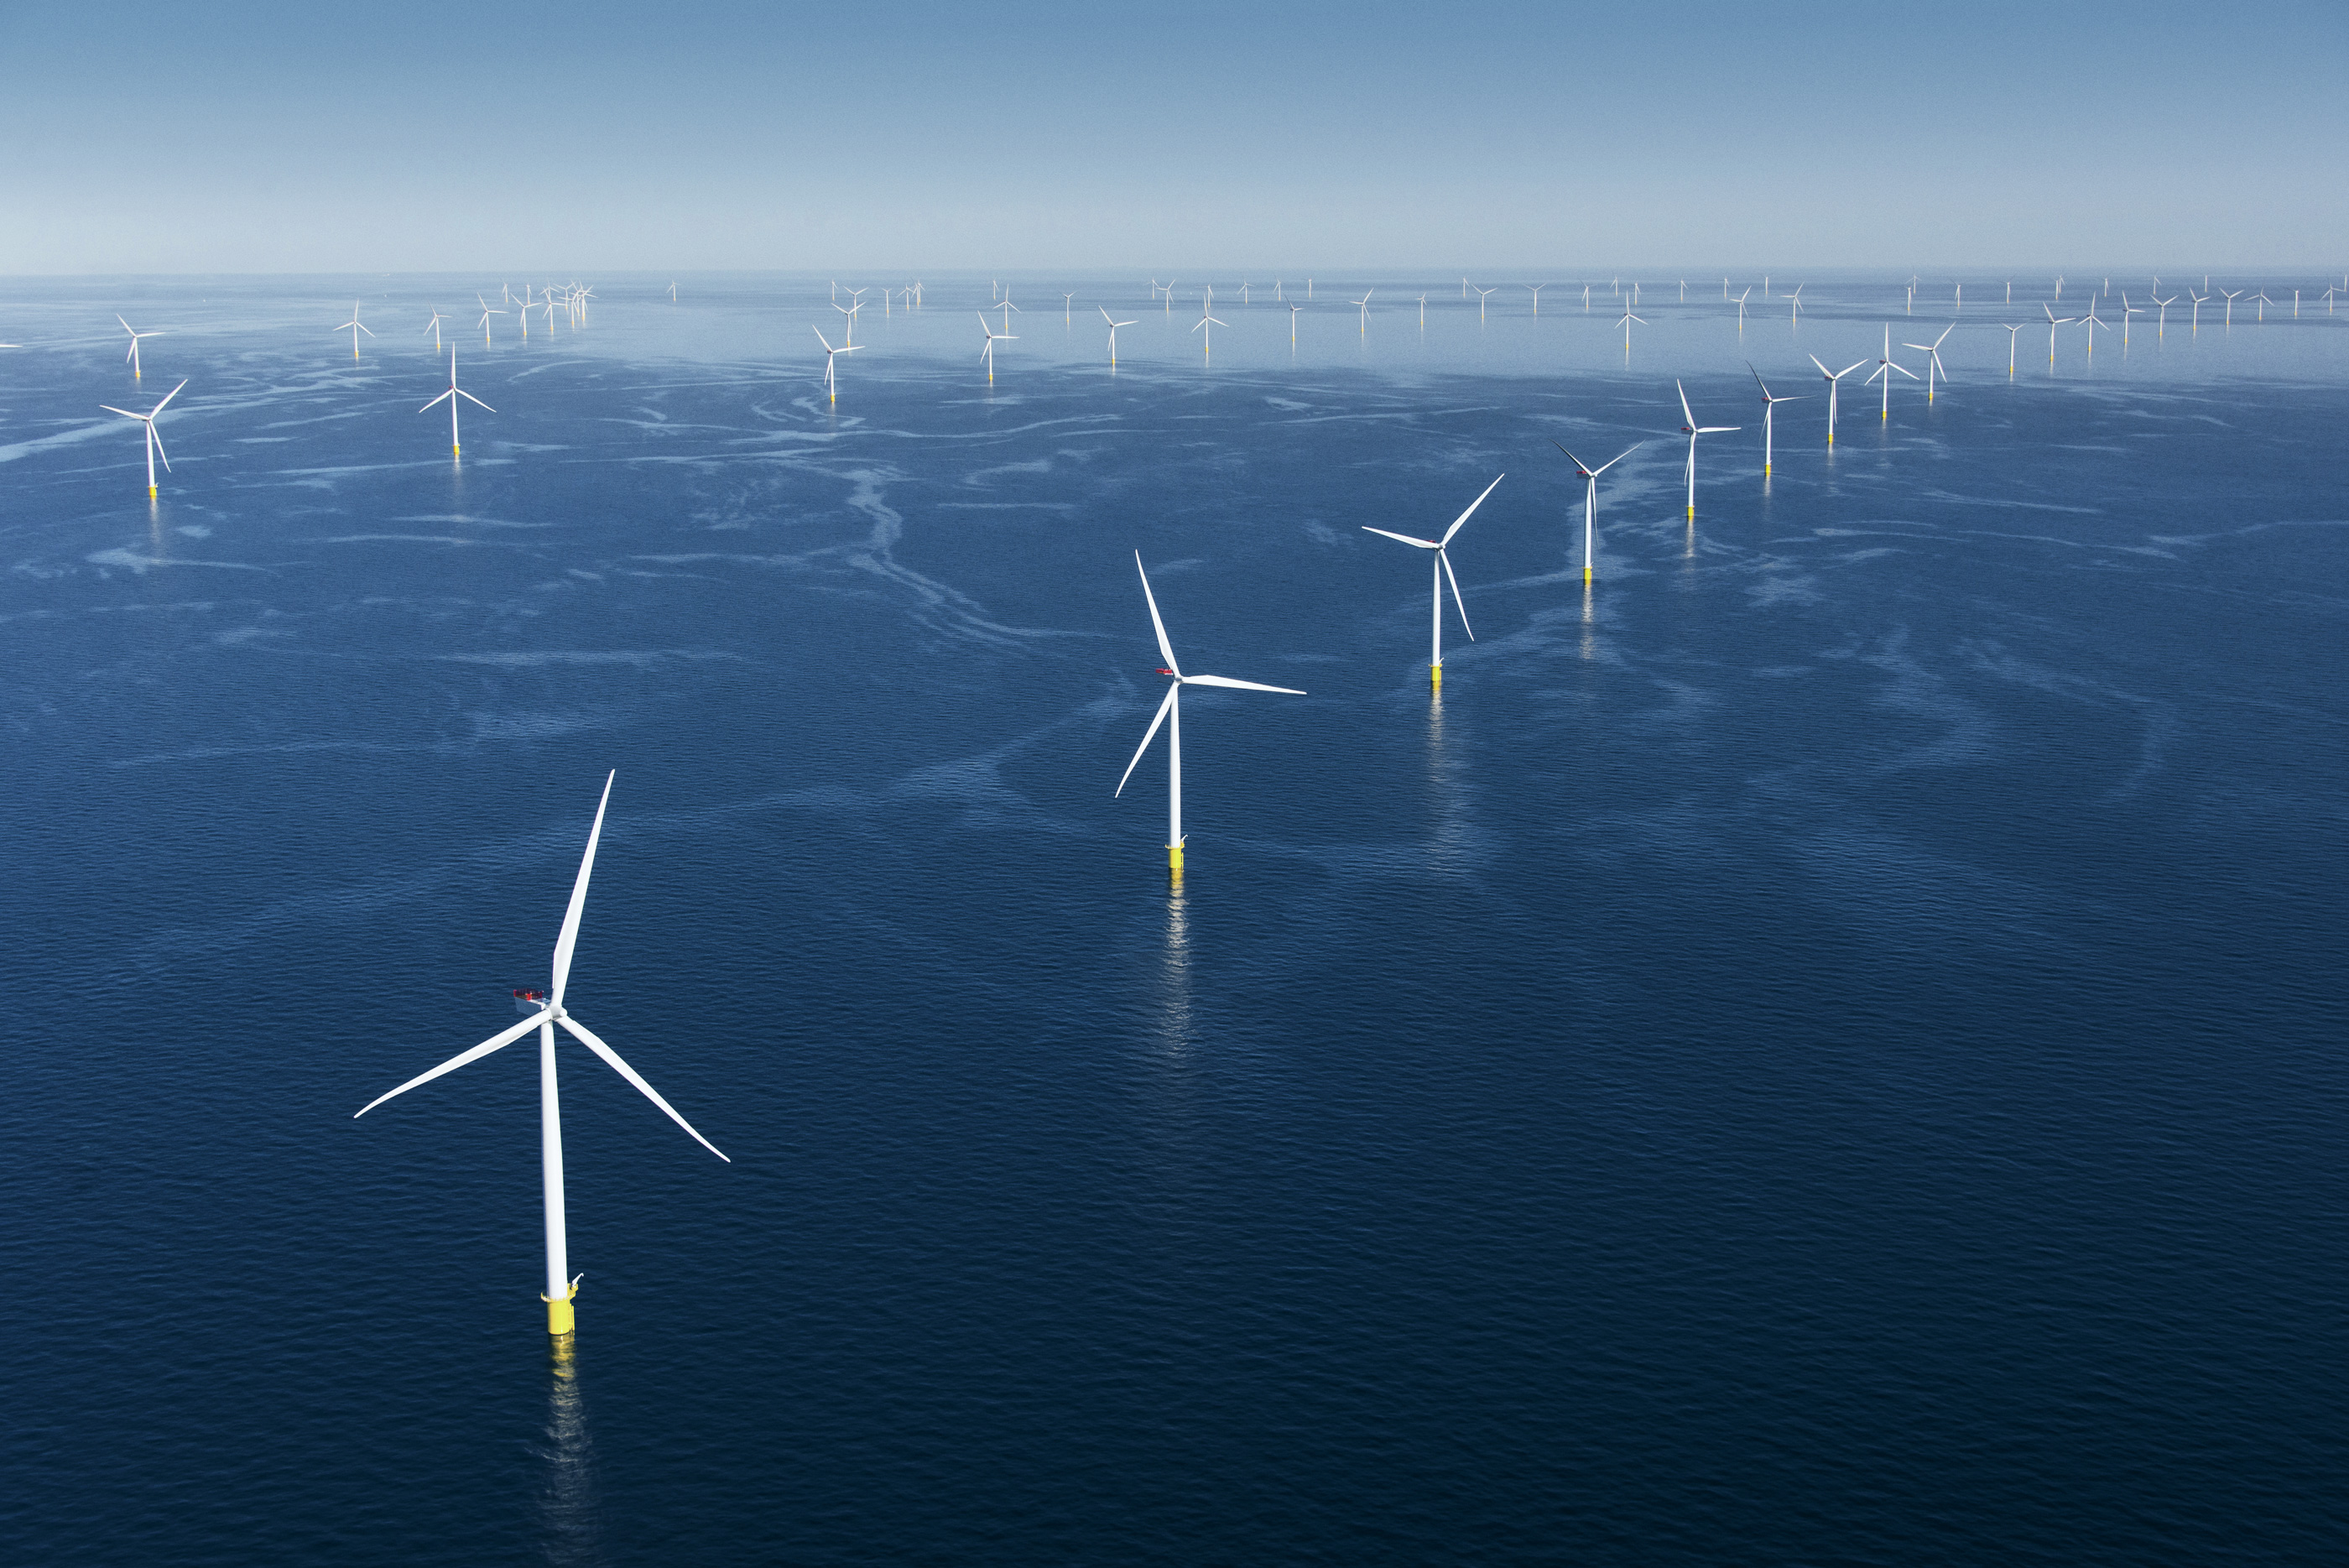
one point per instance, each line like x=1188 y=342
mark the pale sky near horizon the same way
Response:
x=260 y=136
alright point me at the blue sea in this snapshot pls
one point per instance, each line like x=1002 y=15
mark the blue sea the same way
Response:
x=1826 y=1048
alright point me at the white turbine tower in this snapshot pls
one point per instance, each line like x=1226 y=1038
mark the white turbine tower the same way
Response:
x=452 y=394
x=488 y=310
x=1933 y=366
x=1482 y=296
x=561 y=1285
x=1692 y=429
x=1834 y=379
x=154 y=441
x=1114 y=325
x=1885 y=367
x=433 y=326
x=2092 y=322
x=1536 y=288
x=831 y=388
x=1590 y=498
x=1363 y=304
x=1769 y=408
x=1440 y=570
x=1293 y=308
x=1740 y=310
x=987 y=352
x=1170 y=712
x=132 y=357
x=2011 y=331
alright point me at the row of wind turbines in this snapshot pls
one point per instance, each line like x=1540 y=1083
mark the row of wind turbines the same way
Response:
x=546 y=1013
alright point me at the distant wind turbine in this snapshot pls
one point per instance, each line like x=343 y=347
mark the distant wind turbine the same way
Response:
x=132 y=357
x=154 y=438
x=488 y=310
x=1114 y=325
x=2233 y=294
x=433 y=326
x=1835 y=379
x=1591 y=499
x=452 y=394
x=1170 y=712
x=2011 y=331
x=1692 y=429
x=1365 y=303
x=987 y=352
x=1886 y=367
x=1933 y=366
x=1536 y=288
x=1293 y=308
x=1440 y=570
x=562 y=1286
x=1482 y=296
x=1206 y=325
x=2092 y=322
x=2054 y=321
x=1769 y=409
x=1626 y=325
x=831 y=388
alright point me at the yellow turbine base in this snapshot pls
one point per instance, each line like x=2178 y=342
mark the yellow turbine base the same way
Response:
x=1436 y=675
x=559 y=1320
x=1586 y=577
x=150 y=492
x=1692 y=516
x=1174 y=859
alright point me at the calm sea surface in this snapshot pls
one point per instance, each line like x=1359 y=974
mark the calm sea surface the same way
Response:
x=1827 y=1048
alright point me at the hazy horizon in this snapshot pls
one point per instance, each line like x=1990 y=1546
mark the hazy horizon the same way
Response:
x=267 y=138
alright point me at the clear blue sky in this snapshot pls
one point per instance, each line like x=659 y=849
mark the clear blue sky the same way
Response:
x=258 y=136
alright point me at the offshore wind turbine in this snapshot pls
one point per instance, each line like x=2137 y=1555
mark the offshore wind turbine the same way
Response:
x=987 y=352
x=1834 y=379
x=132 y=357
x=1536 y=288
x=2199 y=299
x=2161 y=323
x=452 y=394
x=1933 y=366
x=1007 y=307
x=1591 y=499
x=2092 y=322
x=1482 y=296
x=154 y=440
x=1114 y=325
x=848 y=313
x=830 y=389
x=2231 y=296
x=2011 y=331
x=1293 y=308
x=1769 y=409
x=1067 y=306
x=1740 y=310
x=1206 y=325
x=488 y=310
x=1794 y=300
x=1364 y=305
x=1441 y=569
x=1626 y=325
x=2263 y=301
x=2128 y=310
x=433 y=326
x=1170 y=712
x=561 y=1285
x=2054 y=321
x=1885 y=367
x=1693 y=430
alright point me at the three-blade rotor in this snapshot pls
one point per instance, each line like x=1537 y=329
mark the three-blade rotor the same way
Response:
x=1179 y=679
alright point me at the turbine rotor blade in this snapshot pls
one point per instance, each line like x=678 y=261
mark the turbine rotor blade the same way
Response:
x=167 y=398
x=1421 y=544
x=1239 y=685
x=472 y=400
x=497 y=1042
x=1149 y=735
x=437 y=401
x=1156 y=625
x=612 y=1060
x=1456 y=522
x=570 y=936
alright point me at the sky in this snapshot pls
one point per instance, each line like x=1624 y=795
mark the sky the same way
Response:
x=257 y=136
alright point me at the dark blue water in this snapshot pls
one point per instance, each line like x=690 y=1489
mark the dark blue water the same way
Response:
x=1826 y=1050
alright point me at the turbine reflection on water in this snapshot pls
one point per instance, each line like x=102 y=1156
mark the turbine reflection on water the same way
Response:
x=1175 y=1024
x=569 y=1521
